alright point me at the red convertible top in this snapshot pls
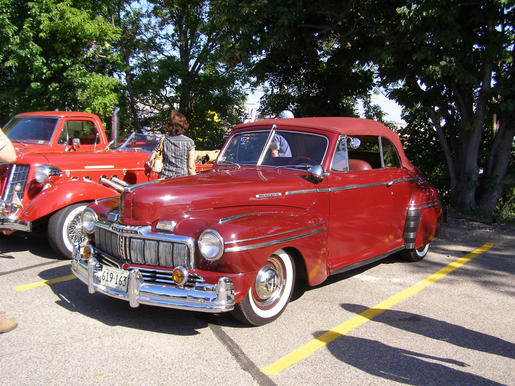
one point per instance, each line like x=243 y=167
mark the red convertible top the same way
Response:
x=337 y=125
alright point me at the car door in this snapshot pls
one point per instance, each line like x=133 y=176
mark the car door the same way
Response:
x=368 y=202
x=83 y=129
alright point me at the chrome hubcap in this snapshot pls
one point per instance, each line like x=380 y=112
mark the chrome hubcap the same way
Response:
x=269 y=283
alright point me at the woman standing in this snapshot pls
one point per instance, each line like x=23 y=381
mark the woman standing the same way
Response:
x=178 y=149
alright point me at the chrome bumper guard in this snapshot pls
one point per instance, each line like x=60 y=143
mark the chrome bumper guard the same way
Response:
x=8 y=222
x=203 y=297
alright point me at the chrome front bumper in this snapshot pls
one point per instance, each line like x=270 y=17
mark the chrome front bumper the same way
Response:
x=202 y=297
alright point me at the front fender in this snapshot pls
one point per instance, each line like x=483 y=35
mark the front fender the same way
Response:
x=251 y=236
x=62 y=194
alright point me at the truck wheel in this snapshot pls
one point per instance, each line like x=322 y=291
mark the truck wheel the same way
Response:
x=65 y=229
x=270 y=293
x=416 y=254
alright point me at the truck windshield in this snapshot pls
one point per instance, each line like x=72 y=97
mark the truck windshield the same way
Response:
x=284 y=148
x=140 y=141
x=30 y=129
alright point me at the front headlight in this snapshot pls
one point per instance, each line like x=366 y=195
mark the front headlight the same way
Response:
x=211 y=244
x=89 y=218
x=44 y=172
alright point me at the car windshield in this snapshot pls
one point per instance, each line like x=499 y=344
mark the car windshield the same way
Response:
x=30 y=129
x=140 y=141
x=276 y=148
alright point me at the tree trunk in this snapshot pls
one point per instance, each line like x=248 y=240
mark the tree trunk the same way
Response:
x=494 y=179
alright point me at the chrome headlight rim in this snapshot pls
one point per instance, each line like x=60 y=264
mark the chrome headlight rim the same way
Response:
x=211 y=245
x=44 y=172
x=89 y=219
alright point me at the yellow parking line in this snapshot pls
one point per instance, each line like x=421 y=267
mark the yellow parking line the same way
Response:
x=324 y=339
x=45 y=282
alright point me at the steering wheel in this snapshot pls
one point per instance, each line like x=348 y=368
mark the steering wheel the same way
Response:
x=301 y=159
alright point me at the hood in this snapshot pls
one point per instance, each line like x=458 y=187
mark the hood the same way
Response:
x=85 y=160
x=172 y=198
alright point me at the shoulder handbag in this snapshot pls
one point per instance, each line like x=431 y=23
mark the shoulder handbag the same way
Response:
x=156 y=159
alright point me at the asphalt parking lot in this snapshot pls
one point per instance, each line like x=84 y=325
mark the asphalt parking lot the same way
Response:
x=445 y=320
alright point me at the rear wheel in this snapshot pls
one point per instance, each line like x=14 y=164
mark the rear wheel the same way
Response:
x=65 y=229
x=270 y=292
x=416 y=254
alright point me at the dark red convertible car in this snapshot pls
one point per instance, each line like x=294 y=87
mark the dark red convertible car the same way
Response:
x=287 y=199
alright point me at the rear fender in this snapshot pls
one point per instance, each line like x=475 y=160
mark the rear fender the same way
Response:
x=62 y=194
x=423 y=219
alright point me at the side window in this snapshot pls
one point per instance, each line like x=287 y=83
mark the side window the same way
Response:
x=340 y=160
x=390 y=155
x=367 y=155
x=84 y=130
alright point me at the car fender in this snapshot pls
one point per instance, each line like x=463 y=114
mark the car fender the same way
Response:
x=424 y=216
x=61 y=194
x=251 y=235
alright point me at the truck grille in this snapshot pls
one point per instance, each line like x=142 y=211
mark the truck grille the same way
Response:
x=136 y=249
x=17 y=175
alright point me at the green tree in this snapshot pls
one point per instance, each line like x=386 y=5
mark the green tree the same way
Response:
x=186 y=68
x=299 y=51
x=55 y=55
x=453 y=60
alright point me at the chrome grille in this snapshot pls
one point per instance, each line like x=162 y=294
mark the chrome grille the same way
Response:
x=165 y=277
x=131 y=248
x=17 y=175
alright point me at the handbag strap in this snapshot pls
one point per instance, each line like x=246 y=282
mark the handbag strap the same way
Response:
x=160 y=148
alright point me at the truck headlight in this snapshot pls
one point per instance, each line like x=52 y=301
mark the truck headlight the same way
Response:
x=89 y=218
x=44 y=172
x=211 y=244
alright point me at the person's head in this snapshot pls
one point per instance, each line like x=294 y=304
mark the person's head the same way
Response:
x=177 y=123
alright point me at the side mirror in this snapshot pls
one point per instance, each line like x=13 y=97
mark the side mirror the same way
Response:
x=318 y=172
x=354 y=143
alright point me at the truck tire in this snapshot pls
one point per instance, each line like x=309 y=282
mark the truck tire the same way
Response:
x=65 y=229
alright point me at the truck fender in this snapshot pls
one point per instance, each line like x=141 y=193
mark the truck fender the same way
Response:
x=62 y=194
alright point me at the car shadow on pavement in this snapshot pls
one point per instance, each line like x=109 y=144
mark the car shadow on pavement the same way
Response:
x=73 y=295
x=400 y=365
x=440 y=330
x=35 y=243
x=410 y=367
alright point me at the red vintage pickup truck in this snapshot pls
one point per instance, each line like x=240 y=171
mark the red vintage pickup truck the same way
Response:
x=64 y=163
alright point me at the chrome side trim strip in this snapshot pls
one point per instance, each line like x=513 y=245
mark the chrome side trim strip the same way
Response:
x=349 y=187
x=226 y=219
x=255 y=246
x=423 y=205
x=273 y=235
x=386 y=183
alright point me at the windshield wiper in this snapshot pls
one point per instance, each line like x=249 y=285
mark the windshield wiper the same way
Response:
x=228 y=163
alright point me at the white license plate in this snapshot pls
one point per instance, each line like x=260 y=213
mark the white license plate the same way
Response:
x=115 y=278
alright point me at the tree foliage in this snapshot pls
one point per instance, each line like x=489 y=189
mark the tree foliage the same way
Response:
x=453 y=60
x=448 y=63
x=53 y=55
x=303 y=55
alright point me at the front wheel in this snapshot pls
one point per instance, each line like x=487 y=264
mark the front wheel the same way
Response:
x=416 y=254
x=270 y=292
x=65 y=229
